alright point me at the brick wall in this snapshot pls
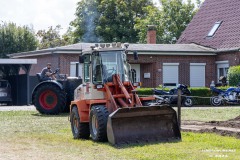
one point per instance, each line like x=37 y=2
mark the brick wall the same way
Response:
x=232 y=57
x=153 y=64
x=42 y=61
x=65 y=60
x=148 y=64
x=61 y=61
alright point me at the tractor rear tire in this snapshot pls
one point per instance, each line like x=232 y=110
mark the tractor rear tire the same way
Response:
x=98 y=123
x=49 y=99
x=79 y=129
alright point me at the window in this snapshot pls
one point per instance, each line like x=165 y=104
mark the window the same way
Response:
x=197 y=74
x=87 y=61
x=75 y=69
x=222 y=69
x=86 y=72
x=170 y=73
x=214 y=28
x=134 y=75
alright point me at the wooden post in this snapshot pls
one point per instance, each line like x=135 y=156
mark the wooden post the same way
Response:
x=179 y=107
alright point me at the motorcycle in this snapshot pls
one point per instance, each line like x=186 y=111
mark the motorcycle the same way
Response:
x=230 y=96
x=163 y=97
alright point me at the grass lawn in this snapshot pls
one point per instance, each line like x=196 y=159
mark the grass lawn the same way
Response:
x=29 y=135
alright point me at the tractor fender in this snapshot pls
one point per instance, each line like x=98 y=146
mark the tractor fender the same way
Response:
x=46 y=82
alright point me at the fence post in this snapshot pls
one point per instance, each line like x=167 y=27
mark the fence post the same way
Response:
x=179 y=107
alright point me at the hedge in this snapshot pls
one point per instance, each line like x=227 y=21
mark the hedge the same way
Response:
x=234 y=75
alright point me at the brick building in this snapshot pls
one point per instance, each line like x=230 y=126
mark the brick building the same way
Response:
x=204 y=52
x=157 y=64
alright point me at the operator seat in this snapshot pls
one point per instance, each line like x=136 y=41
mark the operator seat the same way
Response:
x=39 y=77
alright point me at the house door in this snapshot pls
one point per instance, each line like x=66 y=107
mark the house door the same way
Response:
x=197 y=74
x=135 y=68
x=170 y=74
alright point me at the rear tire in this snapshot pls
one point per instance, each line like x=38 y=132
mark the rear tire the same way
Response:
x=49 y=99
x=79 y=130
x=188 y=102
x=215 y=101
x=98 y=123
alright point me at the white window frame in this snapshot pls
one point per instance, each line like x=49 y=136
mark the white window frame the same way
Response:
x=73 y=69
x=214 y=29
x=224 y=65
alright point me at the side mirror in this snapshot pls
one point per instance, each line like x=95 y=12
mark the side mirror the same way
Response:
x=135 y=55
x=81 y=59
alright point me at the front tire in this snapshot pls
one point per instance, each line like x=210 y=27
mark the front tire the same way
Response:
x=79 y=129
x=215 y=101
x=98 y=123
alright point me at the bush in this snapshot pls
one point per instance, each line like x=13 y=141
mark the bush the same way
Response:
x=202 y=95
x=234 y=75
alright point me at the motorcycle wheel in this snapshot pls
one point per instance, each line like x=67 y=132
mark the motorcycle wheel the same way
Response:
x=159 y=101
x=215 y=101
x=188 y=102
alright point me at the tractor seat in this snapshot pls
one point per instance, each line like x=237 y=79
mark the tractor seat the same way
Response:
x=39 y=77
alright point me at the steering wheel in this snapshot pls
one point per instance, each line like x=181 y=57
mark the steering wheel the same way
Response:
x=108 y=74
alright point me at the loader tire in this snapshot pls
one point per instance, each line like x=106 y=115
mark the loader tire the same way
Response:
x=98 y=123
x=49 y=99
x=79 y=129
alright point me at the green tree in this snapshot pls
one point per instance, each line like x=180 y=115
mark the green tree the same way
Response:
x=171 y=18
x=108 y=20
x=15 y=39
x=234 y=75
x=153 y=18
x=118 y=19
x=176 y=15
x=52 y=38
x=85 y=22
x=199 y=3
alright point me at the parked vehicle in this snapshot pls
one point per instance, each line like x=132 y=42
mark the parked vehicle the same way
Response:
x=5 y=92
x=230 y=96
x=164 y=97
x=54 y=96
x=107 y=107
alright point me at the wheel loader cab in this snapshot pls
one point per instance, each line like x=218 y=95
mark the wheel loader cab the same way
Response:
x=107 y=63
x=99 y=66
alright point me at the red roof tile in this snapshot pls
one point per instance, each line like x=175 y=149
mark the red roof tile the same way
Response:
x=211 y=11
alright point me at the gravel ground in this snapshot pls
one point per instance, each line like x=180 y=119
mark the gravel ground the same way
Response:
x=17 y=108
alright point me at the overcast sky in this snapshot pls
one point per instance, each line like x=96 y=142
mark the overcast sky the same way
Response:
x=39 y=13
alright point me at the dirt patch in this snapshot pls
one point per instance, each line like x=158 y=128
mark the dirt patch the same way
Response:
x=224 y=128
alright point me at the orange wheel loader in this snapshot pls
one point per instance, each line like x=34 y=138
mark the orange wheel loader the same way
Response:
x=107 y=107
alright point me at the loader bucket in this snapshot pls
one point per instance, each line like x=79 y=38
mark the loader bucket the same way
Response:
x=143 y=124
